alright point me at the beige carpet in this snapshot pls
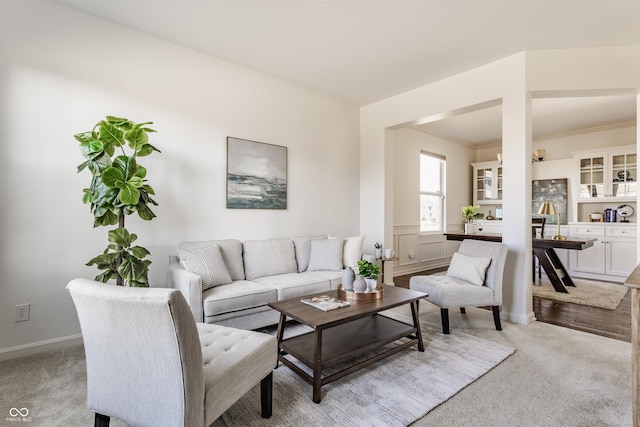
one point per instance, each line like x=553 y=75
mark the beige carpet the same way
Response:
x=586 y=292
x=556 y=377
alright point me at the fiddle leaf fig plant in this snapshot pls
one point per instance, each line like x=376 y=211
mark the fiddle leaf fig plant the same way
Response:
x=118 y=188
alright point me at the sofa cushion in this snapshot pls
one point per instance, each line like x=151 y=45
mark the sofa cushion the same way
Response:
x=207 y=263
x=352 y=251
x=334 y=277
x=231 y=250
x=239 y=295
x=294 y=285
x=326 y=255
x=268 y=258
x=303 y=250
x=469 y=268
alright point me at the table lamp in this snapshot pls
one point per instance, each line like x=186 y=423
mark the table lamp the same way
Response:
x=548 y=208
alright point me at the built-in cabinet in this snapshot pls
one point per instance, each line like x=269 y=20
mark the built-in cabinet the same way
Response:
x=607 y=176
x=487 y=183
x=614 y=253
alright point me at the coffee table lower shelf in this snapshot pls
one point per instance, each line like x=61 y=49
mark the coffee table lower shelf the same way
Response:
x=347 y=341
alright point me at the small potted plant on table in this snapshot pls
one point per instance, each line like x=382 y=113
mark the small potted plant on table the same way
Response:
x=369 y=272
x=470 y=213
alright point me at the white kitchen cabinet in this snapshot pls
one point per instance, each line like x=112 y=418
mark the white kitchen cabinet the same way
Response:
x=607 y=175
x=613 y=254
x=487 y=183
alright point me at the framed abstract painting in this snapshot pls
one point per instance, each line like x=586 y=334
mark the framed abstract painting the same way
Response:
x=256 y=175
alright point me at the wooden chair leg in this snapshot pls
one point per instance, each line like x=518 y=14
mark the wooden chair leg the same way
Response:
x=101 y=420
x=462 y=310
x=496 y=317
x=444 y=315
x=266 y=395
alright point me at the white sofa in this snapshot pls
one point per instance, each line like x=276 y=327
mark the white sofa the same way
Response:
x=229 y=282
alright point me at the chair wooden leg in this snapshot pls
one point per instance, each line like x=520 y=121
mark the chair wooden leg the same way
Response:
x=101 y=420
x=496 y=317
x=266 y=395
x=462 y=310
x=444 y=315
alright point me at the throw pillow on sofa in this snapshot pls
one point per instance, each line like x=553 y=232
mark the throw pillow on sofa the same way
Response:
x=269 y=258
x=303 y=250
x=326 y=255
x=207 y=263
x=352 y=251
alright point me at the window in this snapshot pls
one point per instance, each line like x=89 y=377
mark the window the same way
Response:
x=432 y=189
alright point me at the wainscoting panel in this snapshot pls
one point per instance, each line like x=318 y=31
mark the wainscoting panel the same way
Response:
x=418 y=252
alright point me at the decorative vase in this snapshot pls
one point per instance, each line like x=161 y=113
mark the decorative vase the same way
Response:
x=348 y=276
x=377 y=253
x=469 y=228
x=359 y=285
x=371 y=284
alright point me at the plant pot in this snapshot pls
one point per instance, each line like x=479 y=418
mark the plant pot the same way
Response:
x=469 y=228
x=371 y=284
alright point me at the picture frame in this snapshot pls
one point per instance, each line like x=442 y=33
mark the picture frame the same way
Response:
x=256 y=175
x=551 y=190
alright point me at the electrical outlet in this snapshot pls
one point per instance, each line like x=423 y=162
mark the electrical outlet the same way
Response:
x=23 y=312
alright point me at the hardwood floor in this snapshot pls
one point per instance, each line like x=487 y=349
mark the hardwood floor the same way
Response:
x=614 y=324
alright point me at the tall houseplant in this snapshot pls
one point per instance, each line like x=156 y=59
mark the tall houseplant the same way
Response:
x=118 y=188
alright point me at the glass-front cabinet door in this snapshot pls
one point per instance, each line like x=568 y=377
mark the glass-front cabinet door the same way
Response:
x=608 y=176
x=624 y=174
x=487 y=183
x=592 y=177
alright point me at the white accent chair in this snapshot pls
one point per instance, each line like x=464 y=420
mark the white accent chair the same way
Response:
x=150 y=364
x=448 y=292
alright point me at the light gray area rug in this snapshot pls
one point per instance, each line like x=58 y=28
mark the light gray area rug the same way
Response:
x=593 y=293
x=393 y=392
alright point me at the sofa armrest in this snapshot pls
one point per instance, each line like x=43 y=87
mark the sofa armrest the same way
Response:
x=189 y=284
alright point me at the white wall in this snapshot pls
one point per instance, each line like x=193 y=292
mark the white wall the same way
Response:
x=406 y=180
x=418 y=252
x=61 y=71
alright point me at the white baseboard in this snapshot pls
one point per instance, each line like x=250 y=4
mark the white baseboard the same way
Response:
x=518 y=318
x=40 y=347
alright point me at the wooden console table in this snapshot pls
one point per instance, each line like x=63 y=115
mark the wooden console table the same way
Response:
x=544 y=250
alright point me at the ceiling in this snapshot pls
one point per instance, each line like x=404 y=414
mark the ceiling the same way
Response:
x=363 y=51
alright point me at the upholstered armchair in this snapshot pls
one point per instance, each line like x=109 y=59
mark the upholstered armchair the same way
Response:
x=150 y=364
x=474 y=279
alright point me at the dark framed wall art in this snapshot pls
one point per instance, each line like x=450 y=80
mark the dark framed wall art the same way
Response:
x=256 y=175
x=551 y=190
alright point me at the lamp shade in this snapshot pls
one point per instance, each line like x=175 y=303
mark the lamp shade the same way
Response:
x=547 y=208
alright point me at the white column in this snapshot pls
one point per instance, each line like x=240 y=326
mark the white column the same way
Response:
x=517 y=305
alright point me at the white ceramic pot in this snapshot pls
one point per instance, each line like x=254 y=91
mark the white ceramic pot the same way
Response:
x=371 y=285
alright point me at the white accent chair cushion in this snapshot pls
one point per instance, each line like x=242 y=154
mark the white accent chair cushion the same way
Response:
x=471 y=269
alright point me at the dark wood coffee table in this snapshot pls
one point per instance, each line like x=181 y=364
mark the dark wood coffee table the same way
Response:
x=343 y=334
